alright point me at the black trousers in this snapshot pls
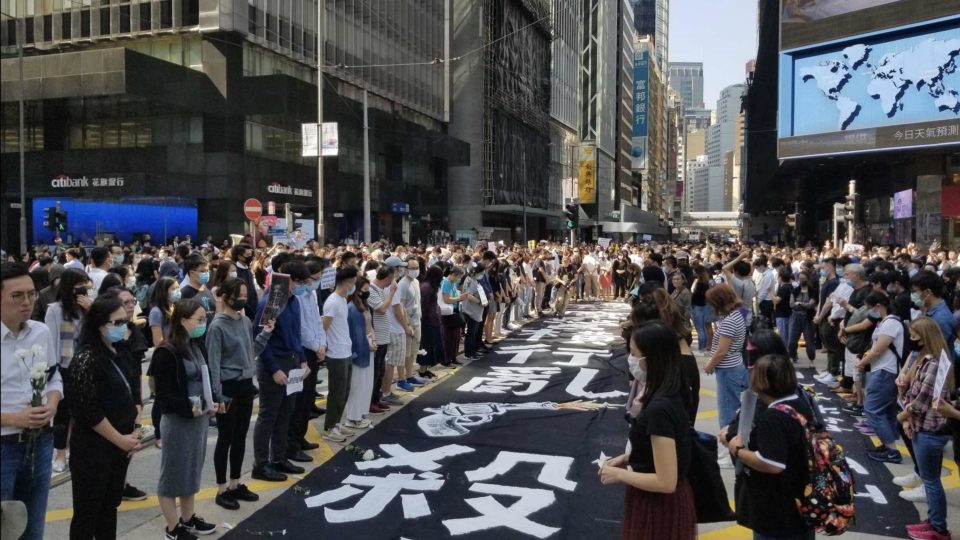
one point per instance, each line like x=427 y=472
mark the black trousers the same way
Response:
x=379 y=367
x=828 y=335
x=98 y=470
x=305 y=401
x=232 y=428
x=273 y=422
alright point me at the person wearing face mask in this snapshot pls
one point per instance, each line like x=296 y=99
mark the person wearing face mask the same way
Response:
x=336 y=426
x=64 y=319
x=314 y=341
x=178 y=364
x=883 y=358
x=104 y=410
x=659 y=499
x=284 y=351
x=409 y=291
x=231 y=353
x=197 y=273
x=926 y=293
x=242 y=255
x=803 y=302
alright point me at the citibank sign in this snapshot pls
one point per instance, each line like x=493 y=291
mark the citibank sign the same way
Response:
x=63 y=181
x=279 y=189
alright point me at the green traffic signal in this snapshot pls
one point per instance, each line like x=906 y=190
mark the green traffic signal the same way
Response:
x=569 y=223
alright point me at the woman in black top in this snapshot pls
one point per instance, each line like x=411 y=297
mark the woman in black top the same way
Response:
x=659 y=500
x=781 y=304
x=803 y=304
x=104 y=409
x=775 y=460
x=702 y=312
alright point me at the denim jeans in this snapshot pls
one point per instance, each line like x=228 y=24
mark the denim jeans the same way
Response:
x=470 y=343
x=783 y=328
x=17 y=482
x=702 y=317
x=730 y=383
x=880 y=405
x=928 y=453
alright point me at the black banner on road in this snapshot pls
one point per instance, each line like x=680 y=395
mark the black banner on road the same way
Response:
x=507 y=447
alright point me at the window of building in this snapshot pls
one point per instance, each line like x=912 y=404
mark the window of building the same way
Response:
x=145 y=16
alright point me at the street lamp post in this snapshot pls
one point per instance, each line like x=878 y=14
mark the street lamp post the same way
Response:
x=321 y=58
x=20 y=139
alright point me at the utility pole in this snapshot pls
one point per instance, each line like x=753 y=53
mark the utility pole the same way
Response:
x=366 y=171
x=22 y=135
x=321 y=58
x=524 y=201
x=851 y=208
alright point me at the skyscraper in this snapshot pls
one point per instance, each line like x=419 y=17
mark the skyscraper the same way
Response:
x=686 y=78
x=652 y=18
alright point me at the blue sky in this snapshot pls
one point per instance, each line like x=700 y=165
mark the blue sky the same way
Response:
x=720 y=33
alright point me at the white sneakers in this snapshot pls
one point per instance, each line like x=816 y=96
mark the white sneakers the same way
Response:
x=916 y=494
x=363 y=423
x=826 y=378
x=333 y=435
x=907 y=481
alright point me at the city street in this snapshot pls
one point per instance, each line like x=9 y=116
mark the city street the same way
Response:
x=588 y=510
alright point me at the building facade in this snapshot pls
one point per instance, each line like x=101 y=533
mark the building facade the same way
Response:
x=652 y=18
x=687 y=79
x=723 y=138
x=165 y=116
x=501 y=107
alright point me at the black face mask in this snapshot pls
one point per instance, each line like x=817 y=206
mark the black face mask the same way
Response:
x=364 y=295
x=238 y=303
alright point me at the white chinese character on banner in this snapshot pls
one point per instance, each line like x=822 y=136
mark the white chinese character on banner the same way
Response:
x=954 y=129
x=506 y=379
x=898 y=135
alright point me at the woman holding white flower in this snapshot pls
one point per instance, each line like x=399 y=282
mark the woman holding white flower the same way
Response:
x=104 y=408
x=63 y=318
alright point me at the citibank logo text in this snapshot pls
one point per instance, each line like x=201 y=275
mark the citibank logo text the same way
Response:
x=63 y=181
x=275 y=187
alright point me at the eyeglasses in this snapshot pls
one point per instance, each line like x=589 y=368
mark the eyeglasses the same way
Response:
x=130 y=303
x=24 y=296
x=120 y=322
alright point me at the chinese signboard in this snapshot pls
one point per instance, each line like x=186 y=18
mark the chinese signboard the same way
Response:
x=641 y=96
x=588 y=175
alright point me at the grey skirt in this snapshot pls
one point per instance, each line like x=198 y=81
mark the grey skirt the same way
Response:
x=184 y=449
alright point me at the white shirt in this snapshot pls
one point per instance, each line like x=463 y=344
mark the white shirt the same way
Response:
x=339 y=345
x=393 y=323
x=15 y=390
x=410 y=297
x=842 y=291
x=590 y=264
x=765 y=284
x=96 y=276
x=74 y=264
x=887 y=361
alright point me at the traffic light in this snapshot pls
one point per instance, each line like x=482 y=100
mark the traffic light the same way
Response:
x=571 y=212
x=60 y=222
x=50 y=219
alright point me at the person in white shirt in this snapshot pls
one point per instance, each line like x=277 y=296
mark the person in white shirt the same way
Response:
x=100 y=257
x=409 y=291
x=766 y=282
x=591 y=283
x=25 y=345
x=339 y=353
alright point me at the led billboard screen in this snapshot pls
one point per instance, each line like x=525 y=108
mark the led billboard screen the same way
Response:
x=897 y=90
x=903 y=204
x=806 y=22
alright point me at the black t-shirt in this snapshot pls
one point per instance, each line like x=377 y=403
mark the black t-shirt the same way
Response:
x=664 y=416
x=539 y=272
x=699 y=296
x=767 y=502
x=653 y=273
x=782 y=309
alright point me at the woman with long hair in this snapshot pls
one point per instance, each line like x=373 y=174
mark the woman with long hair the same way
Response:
x=166 y=293
x=178 y=364
x=64 y=319
x=104 y=410
x=726 y=356
x=669 y=313
x=702 y=312
x=364 y=344
x=430 y=326
x=231 y=353
x=925 y=426
x=659 y=500
x=683 y=298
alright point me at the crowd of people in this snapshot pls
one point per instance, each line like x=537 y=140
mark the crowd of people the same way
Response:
x=216 y=333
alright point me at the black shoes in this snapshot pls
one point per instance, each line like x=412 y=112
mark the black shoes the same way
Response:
x=307 y=445
x=196 y=525
x=287 y=467
x=224 y=500
x=243 y=493
x=299 y=456
x=268 y=474
x=131 y=493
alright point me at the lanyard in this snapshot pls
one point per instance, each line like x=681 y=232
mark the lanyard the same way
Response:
x=122 y=378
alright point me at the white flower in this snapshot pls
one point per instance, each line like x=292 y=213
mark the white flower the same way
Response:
x=38 y=371
x=37 y=351
x=21 y=353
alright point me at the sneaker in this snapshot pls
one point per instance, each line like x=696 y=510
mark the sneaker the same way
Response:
x=428 y=375
x=196 y=525
x=917 y=494
x=931 y=534
x=131 y=493
x=416 y=381
x=226 y=500
x=826 y=378
x=422 y=352
x=405 y=386
x=333 y=435
x=60 y=466
x=345 y=431
x=363 y=423
x=866 y=430
x=852 y=408
x=908 y=481
x=375 y=409
x=393 y=399
x=243 y=493
x=178 y=533
x=886 y=455
x=146 y=432
x=920 y=527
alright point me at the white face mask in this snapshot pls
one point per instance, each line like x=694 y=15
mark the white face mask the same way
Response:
x=638 y=373
x=413 y=274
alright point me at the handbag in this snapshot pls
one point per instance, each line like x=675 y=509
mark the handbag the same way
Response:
x=709 y=493
x=445 y=308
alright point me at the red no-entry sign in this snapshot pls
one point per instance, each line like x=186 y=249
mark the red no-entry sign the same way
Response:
x=252 y=209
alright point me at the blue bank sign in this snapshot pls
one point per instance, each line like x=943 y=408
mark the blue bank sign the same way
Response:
x=641 y=92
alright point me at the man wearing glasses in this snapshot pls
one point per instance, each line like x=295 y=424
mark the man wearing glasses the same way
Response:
x=25 y=475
